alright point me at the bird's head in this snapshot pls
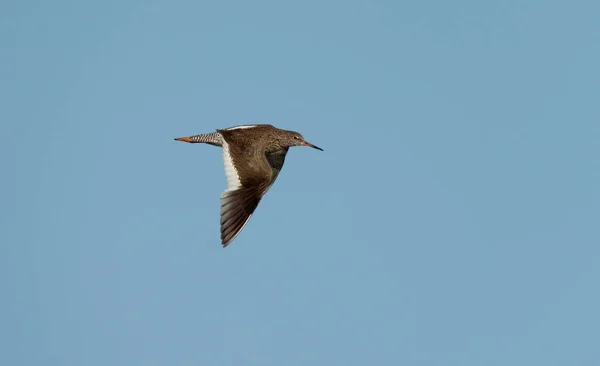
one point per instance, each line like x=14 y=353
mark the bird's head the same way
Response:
x=292 y=138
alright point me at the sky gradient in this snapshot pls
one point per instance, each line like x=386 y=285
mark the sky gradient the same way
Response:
x=452 y=218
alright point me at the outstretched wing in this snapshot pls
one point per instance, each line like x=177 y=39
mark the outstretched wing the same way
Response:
x=250 y=174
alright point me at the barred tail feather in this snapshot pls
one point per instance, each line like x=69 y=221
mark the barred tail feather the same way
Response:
x=213 y=138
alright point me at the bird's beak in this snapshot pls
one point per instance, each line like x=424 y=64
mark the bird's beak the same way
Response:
x=184 y=139
x=311 y=145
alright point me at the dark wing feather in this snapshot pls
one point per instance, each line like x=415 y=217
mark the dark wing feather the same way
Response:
x=236 y=209
x=276 y=160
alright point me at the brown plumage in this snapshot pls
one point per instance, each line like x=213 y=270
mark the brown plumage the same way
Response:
x=253 y=156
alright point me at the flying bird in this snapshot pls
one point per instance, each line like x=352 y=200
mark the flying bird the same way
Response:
x=253 y=156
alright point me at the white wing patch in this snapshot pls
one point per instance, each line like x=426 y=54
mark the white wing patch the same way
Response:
x=239 y=127
x=233 y=179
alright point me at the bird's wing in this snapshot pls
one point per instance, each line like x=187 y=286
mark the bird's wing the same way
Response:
x=249 y=176
x=276 y=160
x=237 y=207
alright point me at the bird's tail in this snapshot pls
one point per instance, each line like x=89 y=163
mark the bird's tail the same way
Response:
x=213 y=138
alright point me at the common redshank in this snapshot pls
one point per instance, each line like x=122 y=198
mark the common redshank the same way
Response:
x=253 y=156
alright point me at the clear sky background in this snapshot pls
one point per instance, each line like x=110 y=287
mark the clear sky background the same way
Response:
x=453 y=218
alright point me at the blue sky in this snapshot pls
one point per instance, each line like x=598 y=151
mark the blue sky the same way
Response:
x=451 y=220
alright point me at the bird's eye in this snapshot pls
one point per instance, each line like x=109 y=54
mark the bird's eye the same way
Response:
x=296 y=137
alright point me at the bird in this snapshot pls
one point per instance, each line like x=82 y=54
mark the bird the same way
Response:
x=253 y=156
